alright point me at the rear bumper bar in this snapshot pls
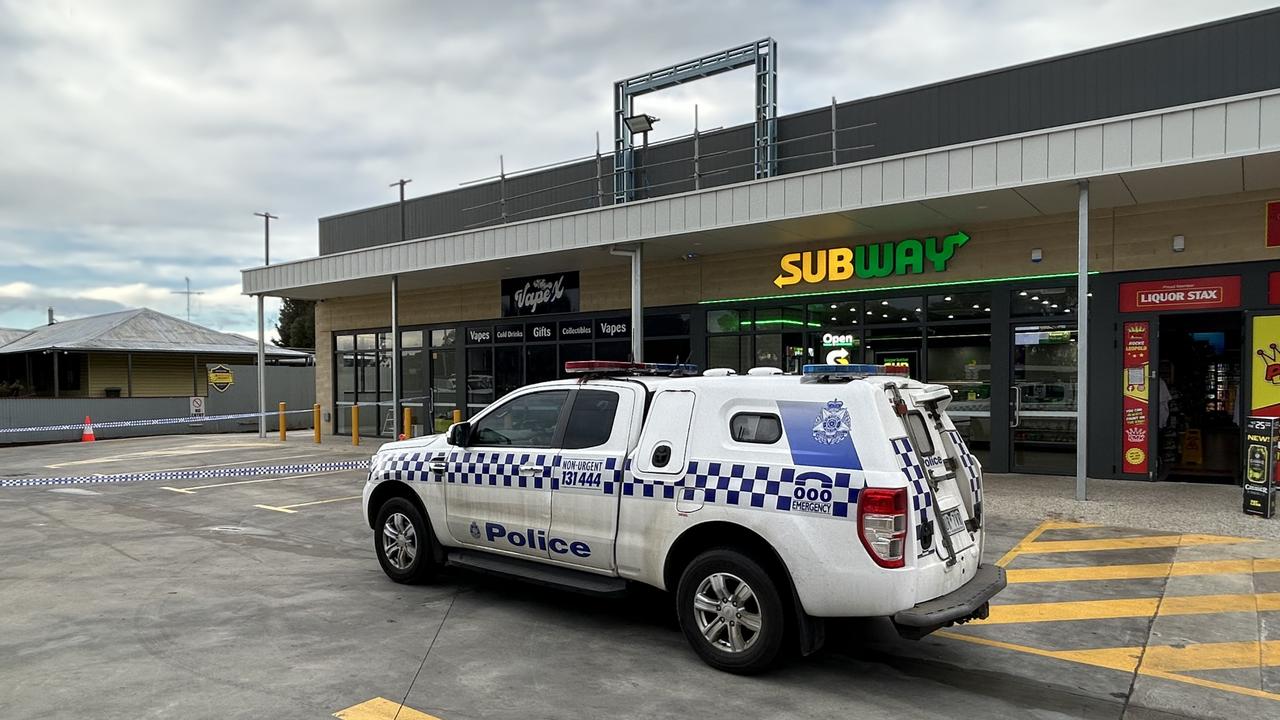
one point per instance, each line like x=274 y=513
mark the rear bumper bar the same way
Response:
x=967 y=602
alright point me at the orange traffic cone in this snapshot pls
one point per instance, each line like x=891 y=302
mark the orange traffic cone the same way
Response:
x=87 y=435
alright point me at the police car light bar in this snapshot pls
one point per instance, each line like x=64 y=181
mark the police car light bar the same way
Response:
x=817 y=372
x=618 y=367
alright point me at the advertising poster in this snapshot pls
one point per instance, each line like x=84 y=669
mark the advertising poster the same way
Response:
x=1264 y=362
x=1136 y=408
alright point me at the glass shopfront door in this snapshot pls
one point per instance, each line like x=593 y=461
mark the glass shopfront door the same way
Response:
x=1042 y=399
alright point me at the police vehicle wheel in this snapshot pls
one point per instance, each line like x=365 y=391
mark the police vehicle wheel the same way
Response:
x=731 y=612
x=402 y=540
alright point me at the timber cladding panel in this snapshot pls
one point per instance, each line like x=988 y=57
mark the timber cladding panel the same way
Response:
x=155 y=374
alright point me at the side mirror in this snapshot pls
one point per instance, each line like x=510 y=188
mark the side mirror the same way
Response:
x=458 y=434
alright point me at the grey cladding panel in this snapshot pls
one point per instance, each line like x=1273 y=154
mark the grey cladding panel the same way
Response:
x=1224 y=59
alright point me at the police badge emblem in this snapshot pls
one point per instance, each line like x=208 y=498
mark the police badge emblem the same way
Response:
x=475 y=531
x=831 y=427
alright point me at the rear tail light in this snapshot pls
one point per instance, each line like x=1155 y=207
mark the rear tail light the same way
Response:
x=882 y=525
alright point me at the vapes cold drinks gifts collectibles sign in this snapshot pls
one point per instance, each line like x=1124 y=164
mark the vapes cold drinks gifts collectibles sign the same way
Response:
x=904 y=257
x=1259 y=465
x=1136 y=415
x=540 y=294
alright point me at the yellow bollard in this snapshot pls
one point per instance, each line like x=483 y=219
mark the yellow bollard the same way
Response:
x=355 y=424
x=408 y=422
x=457 y=415
x=315 y=420
x=282 y=425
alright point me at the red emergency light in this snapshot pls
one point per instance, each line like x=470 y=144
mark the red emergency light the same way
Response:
x=622 y=367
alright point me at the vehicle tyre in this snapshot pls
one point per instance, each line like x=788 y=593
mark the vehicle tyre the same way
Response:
x=403 y=541
x=731 y=612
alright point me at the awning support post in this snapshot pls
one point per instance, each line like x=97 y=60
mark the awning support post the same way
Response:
x=637 y=299
x=1082 y=344
x=395 y=350
x=262 y=369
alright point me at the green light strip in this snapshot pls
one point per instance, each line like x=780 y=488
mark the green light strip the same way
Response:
x=949 y=283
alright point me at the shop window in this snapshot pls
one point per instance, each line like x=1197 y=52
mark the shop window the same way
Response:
x=729 y=351
x=899 y=347
x=366 y=341
x=1041 y=302
x=835 y=314
x=528 y=421
x=959 y=357
x=591 y=420
x=444 y=338
x=667 y=350
x=411 y=339
x=615 y=350
x=444 y=387
x=780 y=318
x=894 y=310
x=666 y=324
x=960 y=306
x=760 y=428
x=479 y=379
x=728 y=321
x=344 y=342
x=571 y=352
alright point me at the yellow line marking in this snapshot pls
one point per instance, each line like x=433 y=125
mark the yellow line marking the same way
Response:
x=289 y=508
x=382 y=709
x=1030 y=537
x=1126 y=543
x=191 y=490
x=1143 y=570
x=1131 y=607
x=1207 y=656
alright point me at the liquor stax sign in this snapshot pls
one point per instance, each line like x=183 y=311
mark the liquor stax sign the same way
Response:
x=904 y=257
x=1187 y=294
x=540 y=294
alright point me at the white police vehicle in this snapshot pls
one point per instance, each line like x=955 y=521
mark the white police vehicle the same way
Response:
x=765 y=502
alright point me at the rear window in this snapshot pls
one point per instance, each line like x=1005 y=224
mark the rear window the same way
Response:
x=591 y=420
x=921 y=433
x=760 y=428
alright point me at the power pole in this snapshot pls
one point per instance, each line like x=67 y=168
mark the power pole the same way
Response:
x=267 y=217
x=402 y=182
x=188 y=292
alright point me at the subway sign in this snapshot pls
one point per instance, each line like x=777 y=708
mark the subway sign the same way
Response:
x=866 y=262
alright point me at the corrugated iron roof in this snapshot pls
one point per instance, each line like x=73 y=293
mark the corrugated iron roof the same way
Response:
x=140 y=330
x=8 y=335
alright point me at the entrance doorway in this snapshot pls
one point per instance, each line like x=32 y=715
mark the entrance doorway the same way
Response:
x=1196 y=397
x=1042 y=399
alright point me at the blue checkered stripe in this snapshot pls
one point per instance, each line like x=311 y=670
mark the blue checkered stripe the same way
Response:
x=777 y=488
x=499 y=469
x=969 y=462
x=921 y=497
x=409 y=466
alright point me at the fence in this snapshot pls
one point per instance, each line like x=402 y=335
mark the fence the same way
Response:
x=292 y=385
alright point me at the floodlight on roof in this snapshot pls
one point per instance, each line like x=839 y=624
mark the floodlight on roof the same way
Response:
x=641 y=123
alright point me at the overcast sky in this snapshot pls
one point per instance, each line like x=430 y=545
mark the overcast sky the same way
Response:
x=138 y=138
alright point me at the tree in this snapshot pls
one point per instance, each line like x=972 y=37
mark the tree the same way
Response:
x=297 y=324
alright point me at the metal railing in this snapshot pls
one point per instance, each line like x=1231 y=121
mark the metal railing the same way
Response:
x=643 y=189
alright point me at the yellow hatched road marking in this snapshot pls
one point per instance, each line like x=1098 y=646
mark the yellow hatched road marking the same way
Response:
x=382 y=709
x=1159 y=660
x=290 y=508
x=1037 y=532
x=1143 y=570
x=1130 y=607
x=1127 y=543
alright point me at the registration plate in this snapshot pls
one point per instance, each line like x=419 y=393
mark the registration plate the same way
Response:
x=952 y=522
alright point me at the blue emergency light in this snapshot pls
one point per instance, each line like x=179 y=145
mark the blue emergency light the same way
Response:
x=817 y=372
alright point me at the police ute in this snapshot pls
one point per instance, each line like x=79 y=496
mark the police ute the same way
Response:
x=764 y=503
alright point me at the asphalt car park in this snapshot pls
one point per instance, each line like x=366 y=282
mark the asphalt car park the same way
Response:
x=258 y=595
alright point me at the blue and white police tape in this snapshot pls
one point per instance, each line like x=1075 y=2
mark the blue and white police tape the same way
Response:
x=189 y=474
x=191 y=420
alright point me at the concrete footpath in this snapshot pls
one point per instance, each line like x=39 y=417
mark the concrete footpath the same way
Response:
x=1170 y=506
